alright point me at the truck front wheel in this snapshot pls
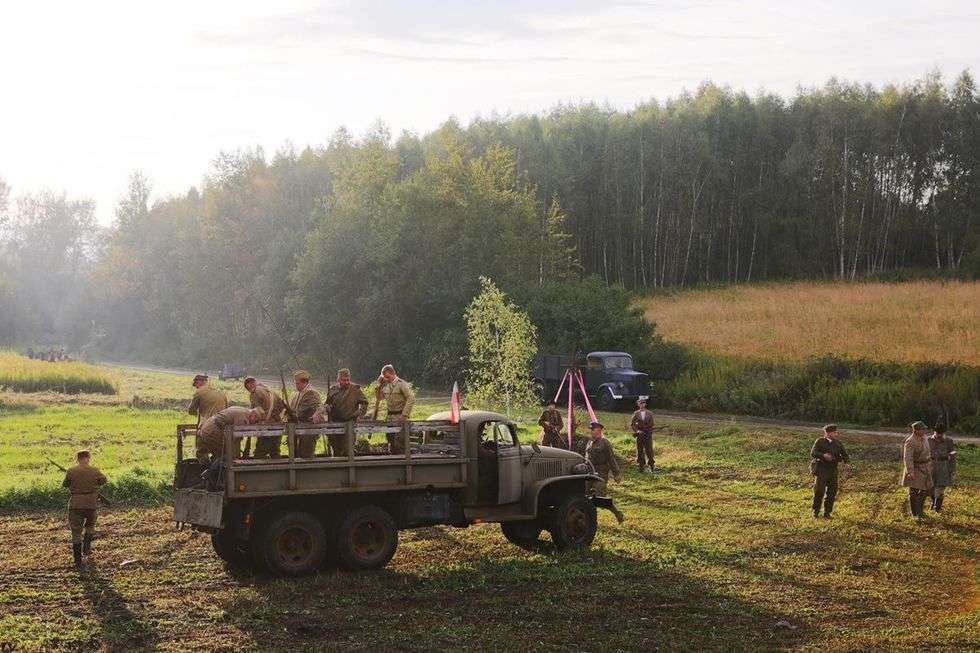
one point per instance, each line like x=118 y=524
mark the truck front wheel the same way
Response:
x=367 y=538
x=522 y=533
x=293 y=544
x=573 y=523
x=607 y=401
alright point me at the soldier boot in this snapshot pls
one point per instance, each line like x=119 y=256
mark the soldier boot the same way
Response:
x=938 y=503
x=76 y=550
x=87 y=545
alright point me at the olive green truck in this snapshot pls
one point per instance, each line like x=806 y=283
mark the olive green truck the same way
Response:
x=289 y=515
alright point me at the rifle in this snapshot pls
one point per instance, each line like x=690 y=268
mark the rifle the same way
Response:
x=377 y=399
x=108 y=504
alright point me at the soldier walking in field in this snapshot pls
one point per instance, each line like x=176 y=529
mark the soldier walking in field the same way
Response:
x=345 y=402
x=943 y=453
x=917 y=468
x=210 y=437
x=825 y=455
x=642 y=426
x=600 y=453
x=83 y=481
x=305 y=407
x=272 y=407
x=207 y=401
x=399 y=399
x=551 y=425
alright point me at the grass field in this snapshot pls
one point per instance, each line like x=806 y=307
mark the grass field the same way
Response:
x=921 y=321
x=22 y=374
x=718 y=553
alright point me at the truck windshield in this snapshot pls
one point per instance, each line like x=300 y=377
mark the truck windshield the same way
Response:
x=618 y=363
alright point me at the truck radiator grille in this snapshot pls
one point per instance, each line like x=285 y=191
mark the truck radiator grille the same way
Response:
x=547 y=469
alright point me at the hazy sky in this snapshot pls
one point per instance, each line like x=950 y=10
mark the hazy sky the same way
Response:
x=94 y=90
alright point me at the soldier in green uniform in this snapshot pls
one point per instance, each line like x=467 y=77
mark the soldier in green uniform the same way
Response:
x=272 y=407
x=917 y=468
x=399 y=399
x=305 y=406
x=642 y=426
x=552 y=424
x=210 y=437
x=825 y=455
x=600 y=453
x=83 y=481
x=943 y=453
x=345 y=402
x=207 y=400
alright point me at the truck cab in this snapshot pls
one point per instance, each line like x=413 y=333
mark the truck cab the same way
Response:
x=610 y=378
x=289 y=515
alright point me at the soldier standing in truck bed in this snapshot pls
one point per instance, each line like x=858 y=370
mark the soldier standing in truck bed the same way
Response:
x=602 y=456
x=211 y=438
x=399 y=399
x=207 y=401
x=83 y=481
x=825 y=455
x=305 y=406
x=272 y=406
x=345 y=402
x=552 y=424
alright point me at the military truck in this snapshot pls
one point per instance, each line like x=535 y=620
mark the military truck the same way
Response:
x=290 y=515
x=610 y=379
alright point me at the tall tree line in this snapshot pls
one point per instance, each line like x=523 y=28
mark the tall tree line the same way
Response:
x=365 y=250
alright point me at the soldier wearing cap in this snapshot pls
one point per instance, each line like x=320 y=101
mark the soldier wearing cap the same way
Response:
x=551 y=425
x=272 y=406
x=943 y=453
x=211 y=438
x=206 y=401
x=305 y=406
x=399 y=399
x=642 y=427
x=345 y=402
x=917 y=468
x=83 y=481
x=825 y=455
x=600 y=453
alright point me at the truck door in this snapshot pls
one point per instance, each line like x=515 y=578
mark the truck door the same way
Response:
x=508 y=463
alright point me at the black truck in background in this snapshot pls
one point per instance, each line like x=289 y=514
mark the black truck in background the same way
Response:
x=610 y=379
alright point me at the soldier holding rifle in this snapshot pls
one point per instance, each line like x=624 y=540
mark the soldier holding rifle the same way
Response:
x=551 y=423
x=825 y=455
x=642 y=426
x=83 y=481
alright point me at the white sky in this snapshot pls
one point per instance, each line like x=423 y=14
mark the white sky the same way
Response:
x=93 y=90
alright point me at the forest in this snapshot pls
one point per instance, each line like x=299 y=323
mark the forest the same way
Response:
x=367 y=248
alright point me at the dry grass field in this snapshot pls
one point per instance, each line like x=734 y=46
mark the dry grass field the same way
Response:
x=937 y=321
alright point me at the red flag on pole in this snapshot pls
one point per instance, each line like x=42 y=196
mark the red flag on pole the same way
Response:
x=454 y=405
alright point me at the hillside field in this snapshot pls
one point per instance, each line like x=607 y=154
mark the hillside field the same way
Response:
x=718 y=553
x=913 y=322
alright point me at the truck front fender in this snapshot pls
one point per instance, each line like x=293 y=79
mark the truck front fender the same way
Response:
x=531 y=497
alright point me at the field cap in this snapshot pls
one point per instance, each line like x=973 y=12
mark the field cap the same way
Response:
x=83 y=453
x=247 y=379
x=918 y=426
x=596 y=425
x=343 y=371
x=301 y=375
x=640 y=401
x=200 y=377
x=830 y=428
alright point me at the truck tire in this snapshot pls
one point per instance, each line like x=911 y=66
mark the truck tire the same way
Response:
x=232 y=550
x=606 y=401
x=367 y=538
x=524 y=534
x=573 y=524
x=293 y=544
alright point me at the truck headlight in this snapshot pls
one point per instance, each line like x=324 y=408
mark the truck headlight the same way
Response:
x=583 y=468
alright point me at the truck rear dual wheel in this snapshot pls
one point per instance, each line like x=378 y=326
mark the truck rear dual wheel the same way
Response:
x=367 y=538
x=292 y=544
x=573 y=524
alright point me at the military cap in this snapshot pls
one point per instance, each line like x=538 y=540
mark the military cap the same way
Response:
x=200 y=377
x=301 y=375
x=918 y=426
x=82 y=453
x=940 y=428
x=830 y=428
x=640 y=401
x=596 y=425
x=343 y=371
x=247 y=379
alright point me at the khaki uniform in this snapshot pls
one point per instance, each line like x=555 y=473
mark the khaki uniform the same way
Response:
x=207 y=401
x=399 y=399
x=273 y=407
x=826 y=479
x=552 y=424
x=304 y=405
x=642 y=425
x=211 y=438
x=917 y=471
x=83 y=482
x=600 y=453
x=343 y=404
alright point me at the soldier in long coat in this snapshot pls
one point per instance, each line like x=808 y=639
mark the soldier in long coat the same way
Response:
x=942 y=450
x=305 y=409
x=345 y=402
x=83 y=481
x=917 y=468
